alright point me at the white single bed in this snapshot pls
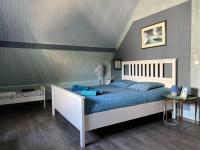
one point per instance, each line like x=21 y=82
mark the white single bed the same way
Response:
x=71 y=105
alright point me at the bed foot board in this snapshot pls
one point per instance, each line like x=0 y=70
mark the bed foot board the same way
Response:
x=71 y=106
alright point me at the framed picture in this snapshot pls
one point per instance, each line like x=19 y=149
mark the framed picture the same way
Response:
x=153 y=35
x=108 y=82
x=117 y=64
x=184 y=92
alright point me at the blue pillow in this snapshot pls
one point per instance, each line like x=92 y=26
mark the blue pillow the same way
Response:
x=122 y=83
x=79 y=88
x=145 y=86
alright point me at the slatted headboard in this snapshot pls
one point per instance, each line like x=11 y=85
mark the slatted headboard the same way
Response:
x=150 y=71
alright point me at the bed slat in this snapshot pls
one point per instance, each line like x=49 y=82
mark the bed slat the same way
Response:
x=153 y=72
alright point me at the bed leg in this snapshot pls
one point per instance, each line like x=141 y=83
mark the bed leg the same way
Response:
x=53 y=108
x=82 y=129
x=82 y=139
x=52 y=100
x=53 y=111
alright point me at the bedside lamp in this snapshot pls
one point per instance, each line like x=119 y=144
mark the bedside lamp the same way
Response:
x=174 y=90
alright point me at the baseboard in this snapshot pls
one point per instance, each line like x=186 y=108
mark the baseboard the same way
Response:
x=190 y=120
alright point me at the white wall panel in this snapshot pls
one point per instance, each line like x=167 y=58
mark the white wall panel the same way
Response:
x=96 y=23
x=32 y=66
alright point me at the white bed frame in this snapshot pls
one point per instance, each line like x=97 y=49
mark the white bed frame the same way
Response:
x=13 y=94
x=71 y=105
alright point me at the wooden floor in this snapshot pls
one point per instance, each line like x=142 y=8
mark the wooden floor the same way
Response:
x=30 y=127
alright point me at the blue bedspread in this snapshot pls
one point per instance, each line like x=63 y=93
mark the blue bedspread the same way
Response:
x=115 y=97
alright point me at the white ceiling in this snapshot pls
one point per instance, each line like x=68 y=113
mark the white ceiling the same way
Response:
x=97 y=23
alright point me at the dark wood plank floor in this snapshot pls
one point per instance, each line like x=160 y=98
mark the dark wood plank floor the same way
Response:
x=30 y=127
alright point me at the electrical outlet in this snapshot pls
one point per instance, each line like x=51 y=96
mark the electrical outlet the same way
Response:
x=196 y=62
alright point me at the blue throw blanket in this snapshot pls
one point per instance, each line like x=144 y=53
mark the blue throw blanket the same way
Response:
x=86 y=91
x=90 y=93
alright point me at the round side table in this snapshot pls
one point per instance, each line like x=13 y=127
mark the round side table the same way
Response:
x=178 y=103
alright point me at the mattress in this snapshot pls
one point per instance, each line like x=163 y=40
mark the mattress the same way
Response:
x=114 y=97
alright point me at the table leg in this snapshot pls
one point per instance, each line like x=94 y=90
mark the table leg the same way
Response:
x=181 y=115
x=179 y=118
x=179 y=111
x=164 y=112
x=195 y=112
x=199 y=110
x=175 y=109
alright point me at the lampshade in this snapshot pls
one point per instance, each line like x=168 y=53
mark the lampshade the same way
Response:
x=174 y=90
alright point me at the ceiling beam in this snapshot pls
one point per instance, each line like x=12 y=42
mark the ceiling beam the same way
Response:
x=54 y=46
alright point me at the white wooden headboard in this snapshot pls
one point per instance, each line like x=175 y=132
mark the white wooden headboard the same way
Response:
x=150 y=71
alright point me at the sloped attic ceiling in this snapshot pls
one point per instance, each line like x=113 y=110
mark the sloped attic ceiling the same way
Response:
x=95 y=23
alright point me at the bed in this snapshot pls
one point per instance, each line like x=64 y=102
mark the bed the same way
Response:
x=89 y=113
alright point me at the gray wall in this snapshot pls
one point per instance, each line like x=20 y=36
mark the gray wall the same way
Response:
x=178 y=41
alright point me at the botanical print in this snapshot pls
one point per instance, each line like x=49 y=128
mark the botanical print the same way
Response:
x=153 y=35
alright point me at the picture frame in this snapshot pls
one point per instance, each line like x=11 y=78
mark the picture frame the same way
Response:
x=184 y=92
x=108 y=82
x=154 y=35
x=117 y=64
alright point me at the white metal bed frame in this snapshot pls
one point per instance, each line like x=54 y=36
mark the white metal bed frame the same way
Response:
x=71 y=105
x=14 y=94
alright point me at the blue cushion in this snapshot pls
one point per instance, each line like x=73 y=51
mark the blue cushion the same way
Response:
x=122 y=83
x=145 y=86
x=79 y=88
